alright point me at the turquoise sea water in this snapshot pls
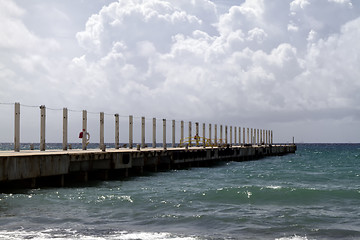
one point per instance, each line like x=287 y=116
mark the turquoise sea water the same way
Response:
x=313 y=194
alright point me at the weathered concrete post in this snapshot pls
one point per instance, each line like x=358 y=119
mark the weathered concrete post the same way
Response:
x=182 y=133
x=173 y=133
x=247 y=130
x=130 y=131
x=17 y=128
x=215 y=133
x=203 y=135
x=84 y=130
x=164 y=133
x=210 y=133
x=117 y=132
x=257 y=137
x=102 y=142
x=154 y=133
x=230 y=140
x=190 y=134
x=266 y=136
x=143 y=132
x=65 y=129
x=271 y=137
x=243 y=136
x=239 y=136
x=226 y=134
x=197 y=134
x=252 y=136
x=42 y=127
x=221 y=134
x=235 y=138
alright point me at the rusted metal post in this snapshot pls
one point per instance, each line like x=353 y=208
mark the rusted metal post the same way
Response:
x=190 y=134
x=164 y=133
x=117 y=131
x=173 y=133
x=143 y=132
x=182 y=133
x=42 y=127
x=154 y=133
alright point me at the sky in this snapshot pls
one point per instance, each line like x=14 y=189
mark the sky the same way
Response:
x=291 y=66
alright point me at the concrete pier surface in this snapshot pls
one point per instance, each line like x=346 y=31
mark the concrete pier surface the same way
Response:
x=33 y=168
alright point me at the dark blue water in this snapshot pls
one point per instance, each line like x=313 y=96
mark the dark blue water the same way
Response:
x=313 y=194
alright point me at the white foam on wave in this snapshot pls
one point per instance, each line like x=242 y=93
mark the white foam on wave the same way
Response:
x=68 y=234
x=295 y=237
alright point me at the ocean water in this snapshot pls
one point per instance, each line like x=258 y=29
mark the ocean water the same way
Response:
x=313 y=194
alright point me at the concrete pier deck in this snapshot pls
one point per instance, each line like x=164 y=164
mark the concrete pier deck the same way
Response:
x=32 y=168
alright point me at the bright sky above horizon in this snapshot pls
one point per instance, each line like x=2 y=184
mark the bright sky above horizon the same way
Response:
x=291 y=66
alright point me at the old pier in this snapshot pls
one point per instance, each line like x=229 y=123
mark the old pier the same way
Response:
x=32 y=168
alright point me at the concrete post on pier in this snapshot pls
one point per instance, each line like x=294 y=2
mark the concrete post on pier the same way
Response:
x=164 y=134
x=252 y=136
x=42 y=127
x=131 y=131
x=215 y=133
x=243 y=136
x=203 y=135
x=181 y=133
x=197 y=134
x=142 y=132
x=102 y=142
x=221 y=134
x=154 y=133
x=65 y=129
x=210 y=133
x=226 y=134
x=190 y=134
x=260 y=136
x=271 y=137
x=247 y=130
x=257 y=137
x=173 y=133
x=84 y=130
x=230 y=140
x=117 y=132
x=17 y=128
x=266 y=137
x=239 y=136
x=235 y=138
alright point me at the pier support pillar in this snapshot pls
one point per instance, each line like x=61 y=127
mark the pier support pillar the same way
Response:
x=142 y=132
x=102 y=143
x=17 y=128
x=84 y=131
x=131 y=127
x=154 y=133
x=62 y=180
x=117 y=132
x=42 y=127
x=65 y=129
